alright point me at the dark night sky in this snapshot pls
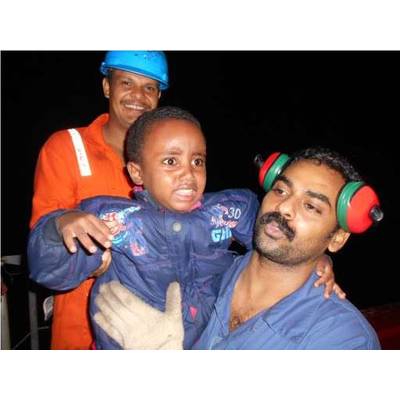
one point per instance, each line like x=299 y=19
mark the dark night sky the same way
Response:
x=247 y=102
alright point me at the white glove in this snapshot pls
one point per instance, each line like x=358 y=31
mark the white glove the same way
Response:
x=134 y=324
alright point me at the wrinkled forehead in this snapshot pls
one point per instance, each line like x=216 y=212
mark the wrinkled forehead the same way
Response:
x=310 y=175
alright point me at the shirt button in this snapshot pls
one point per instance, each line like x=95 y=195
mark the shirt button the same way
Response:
x=176 y=227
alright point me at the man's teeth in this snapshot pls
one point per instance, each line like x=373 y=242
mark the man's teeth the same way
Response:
x=134 y=107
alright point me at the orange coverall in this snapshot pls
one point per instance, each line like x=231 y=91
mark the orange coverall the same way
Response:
x=58 y=184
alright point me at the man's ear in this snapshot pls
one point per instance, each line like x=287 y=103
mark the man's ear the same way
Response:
x=106 y=87
x=338 y=240
x=135 y=172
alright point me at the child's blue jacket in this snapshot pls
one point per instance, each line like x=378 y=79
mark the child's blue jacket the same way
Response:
x=153 y=248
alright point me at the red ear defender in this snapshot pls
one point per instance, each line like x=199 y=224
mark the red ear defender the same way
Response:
x=270 y=169
x=358 y=207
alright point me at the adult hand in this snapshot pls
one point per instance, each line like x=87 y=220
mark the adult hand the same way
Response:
x=84 y=227
x=134 y=324
x=324 y=269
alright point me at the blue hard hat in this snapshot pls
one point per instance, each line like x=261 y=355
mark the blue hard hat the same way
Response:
x=152 y=64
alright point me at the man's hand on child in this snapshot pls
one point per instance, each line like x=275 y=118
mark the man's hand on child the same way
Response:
x=85 y=228
x=324 y=269
x=134 y=324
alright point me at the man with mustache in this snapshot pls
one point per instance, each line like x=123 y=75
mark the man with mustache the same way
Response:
x=267 y=299
x=79 y=163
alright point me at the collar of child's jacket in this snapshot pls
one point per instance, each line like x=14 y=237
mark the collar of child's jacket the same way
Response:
x=144 y=195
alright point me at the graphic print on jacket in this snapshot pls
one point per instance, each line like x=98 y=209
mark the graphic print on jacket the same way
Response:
x=223 y=227
x=122 y=232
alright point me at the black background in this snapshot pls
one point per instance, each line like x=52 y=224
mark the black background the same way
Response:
x=248 y=102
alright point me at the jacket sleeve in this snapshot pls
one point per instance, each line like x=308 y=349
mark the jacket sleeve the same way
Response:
x=51 y=264
x=55 y=177
x=248 y=205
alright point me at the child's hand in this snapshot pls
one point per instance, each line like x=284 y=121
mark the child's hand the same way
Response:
x=324 y=269
x=83 y=227
x=106 y=261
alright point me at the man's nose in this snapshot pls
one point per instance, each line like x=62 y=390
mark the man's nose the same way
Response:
x=287 y=207
x=137 y=91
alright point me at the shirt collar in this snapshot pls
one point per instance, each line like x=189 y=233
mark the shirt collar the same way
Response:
x=290 y=317
x=95 y=129
x=145 y=196
x=293 y=315
x=223 y=304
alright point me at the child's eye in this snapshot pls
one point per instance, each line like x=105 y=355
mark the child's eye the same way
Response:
x=199 y=162
x=169 y=161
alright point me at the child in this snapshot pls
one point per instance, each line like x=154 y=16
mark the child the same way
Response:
x=170 y=232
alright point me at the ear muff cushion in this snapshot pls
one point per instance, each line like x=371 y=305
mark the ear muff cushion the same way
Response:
x=343 y=203
x=271 y=169
x=266 y=166
x=354 y=206
x=358 y=215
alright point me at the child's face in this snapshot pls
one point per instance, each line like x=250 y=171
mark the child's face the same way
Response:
x=173 y=166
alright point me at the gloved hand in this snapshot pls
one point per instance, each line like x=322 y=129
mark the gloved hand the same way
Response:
x=134 y=324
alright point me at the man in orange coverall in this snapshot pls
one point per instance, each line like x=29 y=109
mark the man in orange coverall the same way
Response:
x=78 y=163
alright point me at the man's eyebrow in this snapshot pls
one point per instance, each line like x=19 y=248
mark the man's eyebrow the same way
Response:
x=310 y=193
x=319 y=196
x=285 y=179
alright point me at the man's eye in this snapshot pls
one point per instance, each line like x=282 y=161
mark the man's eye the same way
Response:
x=151 y=89
x=169 y=161
x=126 y=83
x=278 y=191
x=312 y=208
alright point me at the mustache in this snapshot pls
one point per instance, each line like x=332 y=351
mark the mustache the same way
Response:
x=283 y=225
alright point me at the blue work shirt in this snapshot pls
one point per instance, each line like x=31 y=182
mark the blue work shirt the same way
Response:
x=302 y=320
